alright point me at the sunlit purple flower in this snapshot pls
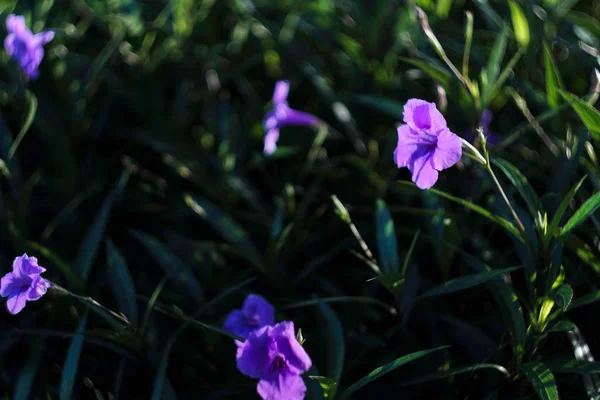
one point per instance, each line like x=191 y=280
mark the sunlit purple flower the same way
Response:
x=425 y=144
x=256 y=312
x=24 y=46
x=23 y=284
x=282 y=115
x=273 y=355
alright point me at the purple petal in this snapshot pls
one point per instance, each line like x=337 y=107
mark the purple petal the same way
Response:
x=16 y=24
x=237 y=323
x=296 y=357
x=258 y=311
x=10 y=285
x=422 y=115
x=16 y=303
x=282 y=88
x=289 y=116
x=26 y=265
x=284 y=387
x=448 y=151
x=423 y=172
x=9 y=44
x=256 y=353
x=408 y=142
x=38 y=288
x=486 y=119
x=44 y=37
x=271 y=139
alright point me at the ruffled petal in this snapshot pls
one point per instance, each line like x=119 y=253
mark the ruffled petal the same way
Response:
x=256 y=353
x=409 y=142
x=271 y=139
x=26 y=265
x=16 y=24
x=38 y=288
x=423 y=172
x=422 y=115
x=16 y=303
x=448 y=151
x=282 y=88
x=10 y=285
x=282 y=387
x=296 y=357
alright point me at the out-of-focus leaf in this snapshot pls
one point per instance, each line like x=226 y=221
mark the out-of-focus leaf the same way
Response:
x=386 y=238
x=24 y=383
x=564 y=204
x=584 y=212
x=574 y=367
x=122 y=282
x=32 y=109
x=334 y=339
x=520 y=23
x=456 y=371
x=72 y=361
x=520 y=182
x=383 y=104
x=436 y=73
x=490 y=74
x=588 y=114
x=384 y=369
x=585 y=21
x=465 y=282
x=171 y=264
x=328 y=385
x=553 y=80
x=585 y=300
x=541 y=379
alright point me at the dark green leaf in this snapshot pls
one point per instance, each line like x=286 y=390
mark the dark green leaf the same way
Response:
x=588 y=114
x=386 y=238
x=542 y=380
x=335 y=344
x=574 y=367
x=388 y=106
x=563 y=296
x=122 y=282
x=490 y=73
x=456 y=371
x=520 y=182
x=585 y=211
x=553 y=80
x=70 y=368
x=328 y=385
x=26 y=377
x=584 y=300
x=564 y=204
x=465 y=282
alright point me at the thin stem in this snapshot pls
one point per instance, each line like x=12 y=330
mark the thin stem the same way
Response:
x=512 y=210
x=468 y=40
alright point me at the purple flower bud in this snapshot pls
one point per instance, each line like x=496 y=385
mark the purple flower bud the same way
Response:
x=425 y=144
x=256 y=312
x=23 y=284
x=25 y=47
x=282 y=115
x=273 y=355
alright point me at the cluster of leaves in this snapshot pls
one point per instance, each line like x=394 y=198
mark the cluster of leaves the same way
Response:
x=133 y=170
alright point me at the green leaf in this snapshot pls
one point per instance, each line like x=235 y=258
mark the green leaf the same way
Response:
x=440 y=75
x=520 y=182
x=588 y=114
x=410 y=251
x=465 y=282
x=508 y=226
x=574 y=367
x=28 y=372
x=585 y=21
x=456 y=371
x=33 y=105
x=93 y=237
x=121 y=282
x=171 y=264
x=585 y=300
x=386 y=238
x=553 y=80
x=328 y=385
x=490 y=74
x=335 y=344
x=563 y=296
x=69 y=371
x=542 y=380
x=225 y=225
x=520 y=23
x=388 y=106
x=583 y=213
x=564 y=204
x=384 y=369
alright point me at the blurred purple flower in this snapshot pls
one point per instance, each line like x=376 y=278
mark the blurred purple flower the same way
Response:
x=23 y=284
x=256 y=312
x=25 y=47
x=486 y=119
x=273 y=355
x=282 y=115
x=425 y=144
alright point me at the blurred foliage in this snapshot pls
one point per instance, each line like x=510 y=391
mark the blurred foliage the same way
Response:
x=139 y=181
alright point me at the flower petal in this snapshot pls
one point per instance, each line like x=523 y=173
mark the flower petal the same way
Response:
x=422 y=115
x=9 y=44
x=423 y=172
x=237 y=323
x=43 y=37
x=289 y=116
x=16 y=24
x=255 y=355
x=38 y=288
x=282 y=88
x=271 y=139
x=10 y=285
x=26 y=265
x=296 y=357
x=284 y=387
x=16 y=303
x=448 y=151
x=258 y=310
x=408 y=142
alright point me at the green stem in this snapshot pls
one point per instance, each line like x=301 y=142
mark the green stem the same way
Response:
x=512 y=210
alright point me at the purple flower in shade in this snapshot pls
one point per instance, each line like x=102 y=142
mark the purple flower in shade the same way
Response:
x=486 y=119
x=23 y=284
x=256 y=312
x=25 y=47
x=282 y=115
x=425 y=144
x=273 y=355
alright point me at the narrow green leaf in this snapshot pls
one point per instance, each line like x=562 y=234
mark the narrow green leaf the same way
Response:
x=520 y=182
x=440 y=75
x=386 y=238
x=32 y=105
x=583 y=213
x=171 y=264
x=224 y=224
x=474 y=207
x=490 y=74
x=564 y=204
x=335 y=344
x=465 y=282
x=121 y=282
x=72 y=361
x=456 y=371
x=520 y=23
x=384 y=369
x=328 y=385
x=574 y=367
x=553 y=80
x=388 y=106
x=410 y=251
x=584 y=21
x=28 y=372
x=542 y=380
x=563 y=296
x=585 y=300
x=588 y=114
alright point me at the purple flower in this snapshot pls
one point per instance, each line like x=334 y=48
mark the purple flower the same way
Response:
x=24 y=46
x=486 y=119
x=256 y=312
x=273 y=355
x=425 y=144
x=23 y=284
x=282 y=115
